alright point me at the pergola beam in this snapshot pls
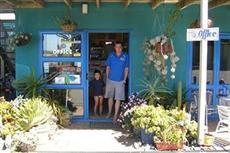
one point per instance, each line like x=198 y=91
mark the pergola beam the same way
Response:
x=127 y=3
x=185 y=3
x=98 y=3
x=68 y=2
x=11 y=2
x=216 y=3
x=40 y=3
x=156 y=3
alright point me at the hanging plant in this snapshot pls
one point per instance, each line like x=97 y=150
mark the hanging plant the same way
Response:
x=20 y=39
x=67 y=24
x=158 y=51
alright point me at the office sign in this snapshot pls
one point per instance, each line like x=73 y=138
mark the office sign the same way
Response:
x=199 y=34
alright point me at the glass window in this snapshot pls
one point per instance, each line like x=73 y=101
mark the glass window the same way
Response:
x=63 y=72
x=70 y=98
x=225 y=62
x=196 y=62
x=61 y=45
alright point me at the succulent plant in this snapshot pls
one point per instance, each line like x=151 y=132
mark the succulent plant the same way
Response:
x=32 y=86
x=34 y=112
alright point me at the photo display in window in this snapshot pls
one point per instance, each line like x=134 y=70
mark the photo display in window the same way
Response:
x=62 y=72
x=61 y=45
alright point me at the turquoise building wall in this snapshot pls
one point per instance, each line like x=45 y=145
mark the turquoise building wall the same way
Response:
x=139 y=18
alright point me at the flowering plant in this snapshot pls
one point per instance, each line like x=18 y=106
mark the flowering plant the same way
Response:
x=157 y=51
x=20 y=39
x=127 y=109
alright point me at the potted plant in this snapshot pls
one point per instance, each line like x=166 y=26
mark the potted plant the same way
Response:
x=150 y=120
x=67 y=24
x=174 y=136
x=171 y=138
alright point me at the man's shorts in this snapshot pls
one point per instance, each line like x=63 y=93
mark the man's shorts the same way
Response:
x=115 y=89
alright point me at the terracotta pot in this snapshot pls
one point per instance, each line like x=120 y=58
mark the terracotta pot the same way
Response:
x=68 y=27
x=166 y=48
x=167 y=146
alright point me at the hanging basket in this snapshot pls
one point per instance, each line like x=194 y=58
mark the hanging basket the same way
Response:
x=69 y=27
x=22 y=39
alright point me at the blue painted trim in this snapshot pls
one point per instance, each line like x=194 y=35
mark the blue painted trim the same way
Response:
x=64 y=86
x=130 y=64
x=79 y=120
x=189 y=69
x=216 y=69
x=86 y=86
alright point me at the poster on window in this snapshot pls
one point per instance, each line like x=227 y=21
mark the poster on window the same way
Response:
x=62 y=45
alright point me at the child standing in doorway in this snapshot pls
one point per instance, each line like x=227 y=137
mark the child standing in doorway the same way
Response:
x=97 y=84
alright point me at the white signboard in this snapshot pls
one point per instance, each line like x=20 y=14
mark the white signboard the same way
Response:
x=199 y=34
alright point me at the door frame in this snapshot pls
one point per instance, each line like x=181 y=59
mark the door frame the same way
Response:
x=216 y=67
x=86 y=97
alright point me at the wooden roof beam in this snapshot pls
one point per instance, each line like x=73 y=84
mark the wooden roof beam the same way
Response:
x=216 y=3
x=127 y=3
x=186 y=3
x=4 y=5
x=156 y=3
x=98 y=3
x=11 y=2
x=40 y=3
x=68 y=3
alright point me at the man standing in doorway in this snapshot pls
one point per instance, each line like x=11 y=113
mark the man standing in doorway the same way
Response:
x=117 y=73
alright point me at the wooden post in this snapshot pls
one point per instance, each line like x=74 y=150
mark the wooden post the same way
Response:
x=203 y=73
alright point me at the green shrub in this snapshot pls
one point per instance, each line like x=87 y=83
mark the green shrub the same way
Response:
x=7 y=121
x=152 y=119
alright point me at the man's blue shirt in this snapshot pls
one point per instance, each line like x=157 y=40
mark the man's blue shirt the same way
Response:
x=117 y=65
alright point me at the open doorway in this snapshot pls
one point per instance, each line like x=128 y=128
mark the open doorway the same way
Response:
x=100 y=46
